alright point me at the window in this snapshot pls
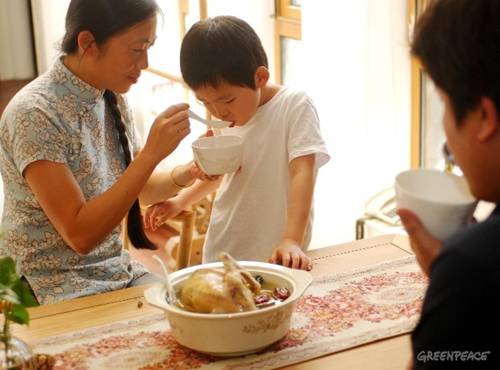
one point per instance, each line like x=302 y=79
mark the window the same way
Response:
x=162 y=84
x=427 y=134
x=288 y=33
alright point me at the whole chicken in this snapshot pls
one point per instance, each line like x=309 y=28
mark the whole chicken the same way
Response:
x=214 y=291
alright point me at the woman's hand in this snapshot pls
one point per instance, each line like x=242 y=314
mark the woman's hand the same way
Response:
x=289 y=254
x=423 y=243
x=167 y=131
x=157 y=214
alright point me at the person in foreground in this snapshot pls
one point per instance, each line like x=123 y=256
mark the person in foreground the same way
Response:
x=66 y=155
x=458 y=42
x=263 y=210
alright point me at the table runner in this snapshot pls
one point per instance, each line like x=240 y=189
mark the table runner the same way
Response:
x=336 y=312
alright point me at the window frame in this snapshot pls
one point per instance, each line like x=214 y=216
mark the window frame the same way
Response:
x=288 y=23
x=415 y=9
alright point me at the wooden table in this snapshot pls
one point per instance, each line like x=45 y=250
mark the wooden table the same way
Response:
x=391 y=353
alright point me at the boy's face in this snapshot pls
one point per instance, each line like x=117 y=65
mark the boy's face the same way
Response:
x=230 y=102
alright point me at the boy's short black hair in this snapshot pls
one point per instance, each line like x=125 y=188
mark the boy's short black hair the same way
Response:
x=458 y=43
x=223 y=48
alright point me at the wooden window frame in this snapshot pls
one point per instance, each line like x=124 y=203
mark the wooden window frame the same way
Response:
x=415 y=9
x=288 y=23
x=287 y=10
x=183 y=6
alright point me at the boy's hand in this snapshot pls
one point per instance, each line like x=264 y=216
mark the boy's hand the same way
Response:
x=423 y=243
x=199 y=174
x=158 y=213
x=289 y=254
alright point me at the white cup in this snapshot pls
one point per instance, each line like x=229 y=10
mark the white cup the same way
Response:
x=441 y=200
x=217 y=155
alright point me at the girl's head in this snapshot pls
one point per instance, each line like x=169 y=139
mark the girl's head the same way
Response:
x=224 y=63
x=112 y=37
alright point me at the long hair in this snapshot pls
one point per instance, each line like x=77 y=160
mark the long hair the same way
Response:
x=135 y=227
x=105 y=18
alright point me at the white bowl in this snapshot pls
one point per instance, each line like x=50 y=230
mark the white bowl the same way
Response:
x=441 y=200
x=233 y=334
x=217 y=155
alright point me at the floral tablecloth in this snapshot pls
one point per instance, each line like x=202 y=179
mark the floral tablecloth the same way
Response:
x=336 y=312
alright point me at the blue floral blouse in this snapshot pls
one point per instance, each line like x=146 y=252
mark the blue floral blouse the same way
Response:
x=60 y=118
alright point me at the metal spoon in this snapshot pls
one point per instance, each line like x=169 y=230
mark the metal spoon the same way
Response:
x=171 y=297
x=209 y=122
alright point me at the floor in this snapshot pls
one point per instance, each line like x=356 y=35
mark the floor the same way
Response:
x=8 y=89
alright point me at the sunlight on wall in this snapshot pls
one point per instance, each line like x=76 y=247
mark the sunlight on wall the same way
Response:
x=358 y=74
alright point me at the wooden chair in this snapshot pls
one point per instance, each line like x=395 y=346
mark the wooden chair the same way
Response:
x=192 y=230
x=186 y=220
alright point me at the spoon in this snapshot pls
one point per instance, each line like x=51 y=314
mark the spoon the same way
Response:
x=209 y=122
x=171 y=298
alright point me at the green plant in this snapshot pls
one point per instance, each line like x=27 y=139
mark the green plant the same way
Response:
x=15 y=297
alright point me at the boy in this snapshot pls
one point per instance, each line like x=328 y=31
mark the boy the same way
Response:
x=262 y=211
x=458 y=42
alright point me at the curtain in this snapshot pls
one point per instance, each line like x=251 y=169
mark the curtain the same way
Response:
x=48 y=26
x=358 y=73
x=16 y=50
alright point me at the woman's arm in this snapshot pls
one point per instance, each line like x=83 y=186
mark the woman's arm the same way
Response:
x=84 y=223
x=165 y=184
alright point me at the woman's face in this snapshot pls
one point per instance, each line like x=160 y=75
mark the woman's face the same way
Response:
x=122 y=57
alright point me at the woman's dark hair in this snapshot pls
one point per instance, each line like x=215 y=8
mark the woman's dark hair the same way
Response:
x=105 y=18
x=458 y=42
x=223 y=48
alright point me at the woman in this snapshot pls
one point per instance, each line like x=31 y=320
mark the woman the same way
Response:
x=66 y=156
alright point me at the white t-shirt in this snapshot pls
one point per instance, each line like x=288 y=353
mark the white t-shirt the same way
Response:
x=250 y=209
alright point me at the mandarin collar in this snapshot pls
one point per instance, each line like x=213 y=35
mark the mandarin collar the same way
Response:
x=87 y=94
